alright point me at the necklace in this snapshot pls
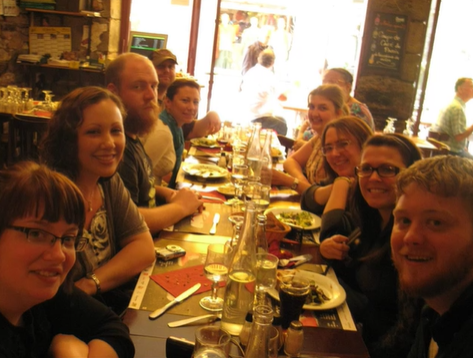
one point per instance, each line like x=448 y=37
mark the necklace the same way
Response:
x=90 y=202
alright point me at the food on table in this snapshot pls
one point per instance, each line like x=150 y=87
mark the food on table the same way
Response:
x=276 y=152
x=317 y=296
x=205 y=142
x=302 y=219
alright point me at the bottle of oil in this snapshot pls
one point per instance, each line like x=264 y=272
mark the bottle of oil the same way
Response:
x=239 y=292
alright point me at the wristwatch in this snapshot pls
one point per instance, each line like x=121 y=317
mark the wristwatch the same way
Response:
x=295 y=184
x=94 y=278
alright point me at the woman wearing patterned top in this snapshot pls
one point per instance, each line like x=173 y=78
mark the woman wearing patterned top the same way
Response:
x=86 y=141
x=305 y=166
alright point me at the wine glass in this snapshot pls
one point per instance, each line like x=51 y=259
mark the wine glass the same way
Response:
x=216 y=269
x=266 y=268
x=240 y=171
x=236 y=218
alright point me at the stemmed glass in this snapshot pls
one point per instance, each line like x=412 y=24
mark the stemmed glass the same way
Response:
x=216 y=270
x=240 y=171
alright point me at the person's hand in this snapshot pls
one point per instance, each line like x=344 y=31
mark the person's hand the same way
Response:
x=335 y=248
x=189 y=200
x=213 y=121
x=298 y=144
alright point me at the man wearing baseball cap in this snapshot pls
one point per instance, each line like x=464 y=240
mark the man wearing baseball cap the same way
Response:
x=165 y=62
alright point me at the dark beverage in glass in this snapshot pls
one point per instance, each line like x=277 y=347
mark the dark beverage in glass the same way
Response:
x=293 y=295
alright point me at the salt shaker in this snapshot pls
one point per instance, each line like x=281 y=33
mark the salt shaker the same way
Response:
x=222 y=161
x=294 y=339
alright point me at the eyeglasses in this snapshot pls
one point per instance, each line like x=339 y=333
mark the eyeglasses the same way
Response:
x=384 y=171
x=41 y=237
x=340 y=145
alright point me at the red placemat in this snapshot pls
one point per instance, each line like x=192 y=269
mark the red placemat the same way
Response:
x=210 y=150
x=176 y=282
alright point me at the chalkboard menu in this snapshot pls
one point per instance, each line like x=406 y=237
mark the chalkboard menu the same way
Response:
x=384 y=43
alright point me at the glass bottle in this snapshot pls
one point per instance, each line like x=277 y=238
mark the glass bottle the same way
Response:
x=266 y=159
x=240 y=287
x=254 y=155
x=246 y=330
x=261 y=241
x=294 y=339
x=258 y=344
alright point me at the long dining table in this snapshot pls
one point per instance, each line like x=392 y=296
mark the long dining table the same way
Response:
x=334 y=335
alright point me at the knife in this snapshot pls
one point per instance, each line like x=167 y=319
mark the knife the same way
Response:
x=208 y=318
x=178 y=299
x=212 y=198
x=213 y=229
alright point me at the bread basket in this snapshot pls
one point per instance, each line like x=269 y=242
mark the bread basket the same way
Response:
x=275 y=229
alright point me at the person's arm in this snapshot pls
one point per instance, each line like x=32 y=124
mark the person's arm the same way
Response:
x=315 y=198
x=137 y=253
x=464 y=135
x=209 y=124
x=338 y=196
x=283 y=179
x=294 y=165
x=182 y=204
x=82 y=325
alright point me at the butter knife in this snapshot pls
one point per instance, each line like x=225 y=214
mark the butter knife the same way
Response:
x=213 y=229
x=208 y=318
x=178 y=299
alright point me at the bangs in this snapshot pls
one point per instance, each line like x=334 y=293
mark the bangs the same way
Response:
x=42 y=194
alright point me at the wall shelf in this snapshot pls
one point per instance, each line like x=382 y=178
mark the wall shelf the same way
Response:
x=66 y=13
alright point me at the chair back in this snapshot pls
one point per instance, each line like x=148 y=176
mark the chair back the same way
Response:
x=24 y=135
x=286 y=142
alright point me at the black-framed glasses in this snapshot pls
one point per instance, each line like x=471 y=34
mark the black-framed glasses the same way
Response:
x=41 y=237
x=340 y=145
x=384 y=171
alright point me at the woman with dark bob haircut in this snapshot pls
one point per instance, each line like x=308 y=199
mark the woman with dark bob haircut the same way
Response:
x=365 y=268
x=40 y=314
x=85 y=141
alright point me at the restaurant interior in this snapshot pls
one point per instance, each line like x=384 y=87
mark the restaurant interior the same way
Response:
x=408 y=77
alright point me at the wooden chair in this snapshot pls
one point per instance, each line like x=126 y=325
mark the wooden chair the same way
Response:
x=286 y=142
x=24 y=136
x=442 y=148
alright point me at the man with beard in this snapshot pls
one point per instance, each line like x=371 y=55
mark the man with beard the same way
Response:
x=432 y=246
x=165 y=63
x=133 y=78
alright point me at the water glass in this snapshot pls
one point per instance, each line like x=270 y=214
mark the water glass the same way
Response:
x=211 y=342
x=266 y=268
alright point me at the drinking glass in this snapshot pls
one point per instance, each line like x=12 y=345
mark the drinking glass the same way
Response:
x=240 y=171
x=211 y=342
x=266 y=268
x=274 y=343
x=293 y=294
x=258 y=193
x=216 y=270
x=236 y=218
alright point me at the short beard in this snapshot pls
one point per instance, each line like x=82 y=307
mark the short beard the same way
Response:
x=460 y=270
x=141 y=125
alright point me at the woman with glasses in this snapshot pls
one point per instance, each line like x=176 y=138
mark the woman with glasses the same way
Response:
x=85 y=141
x=364 y=267
x=344 y=79
x=342 y=141
x=41 y=312
x=305 y=166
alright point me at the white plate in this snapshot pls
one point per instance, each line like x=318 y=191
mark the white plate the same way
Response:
x=331 y=288
x=204 y=142
x=206 y=171
x=316 y=221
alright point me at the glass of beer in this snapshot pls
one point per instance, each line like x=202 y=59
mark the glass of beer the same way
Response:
x=293 y=294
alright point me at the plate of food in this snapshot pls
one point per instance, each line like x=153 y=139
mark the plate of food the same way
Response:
x=296 y=218
x=324 y=294
x=205 y=142
x=227 y=189
x=206 y=171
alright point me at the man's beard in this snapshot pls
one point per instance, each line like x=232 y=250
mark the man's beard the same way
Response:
x=142 y=124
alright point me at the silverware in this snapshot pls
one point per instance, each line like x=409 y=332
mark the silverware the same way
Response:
x=178 y=299
x=213 y=229
x=208 y=318
x=212 y=198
